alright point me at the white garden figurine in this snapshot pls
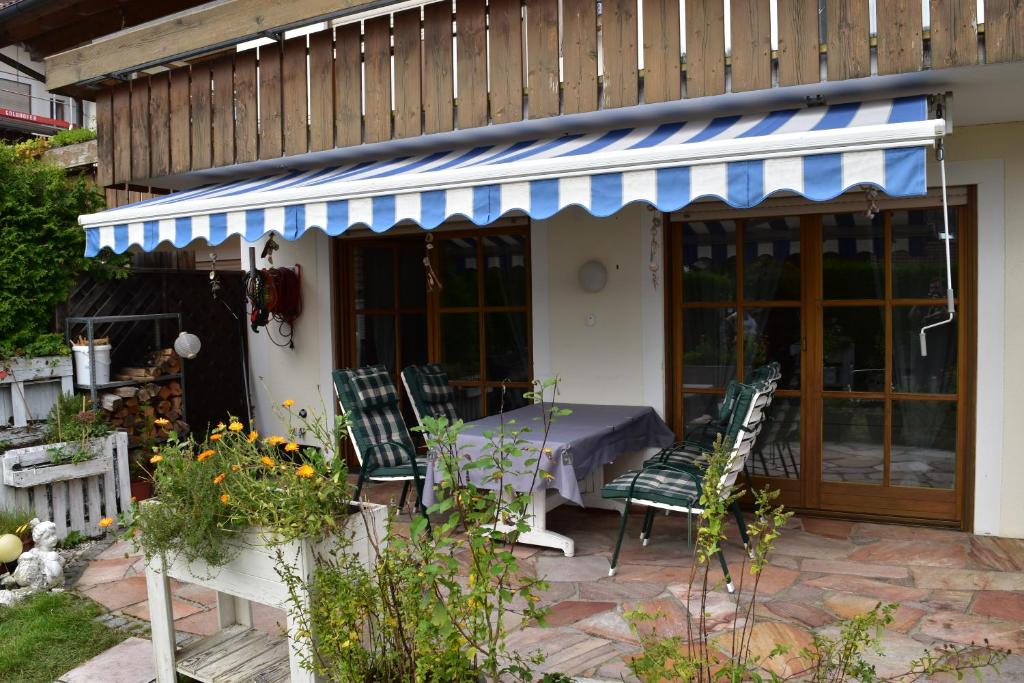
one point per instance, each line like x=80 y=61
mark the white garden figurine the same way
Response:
x=42 y=567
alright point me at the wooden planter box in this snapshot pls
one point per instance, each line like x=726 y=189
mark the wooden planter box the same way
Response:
x=29 y=387
x=74 y=496
x=238 y=651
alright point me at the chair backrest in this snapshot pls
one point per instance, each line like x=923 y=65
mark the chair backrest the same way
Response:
x=769 y=375
x=369 y=400
x=428 y=389
x=753 y=402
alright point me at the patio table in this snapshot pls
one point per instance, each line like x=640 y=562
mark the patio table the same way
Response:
x=580 y=445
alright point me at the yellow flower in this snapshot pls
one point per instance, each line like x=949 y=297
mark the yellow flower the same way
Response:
x=305 y=471
x=219 y=478
x=162 y=421
x=276 y=440
x=287 y=403
x=156 y=458
x=215 y=437
x=206 y=454
x=106 y=521
x=269 y=462
x=225 y=498
x=236 y=468
x=292 y=447
x=253 y=435
x=235 y=427
x=134 y=499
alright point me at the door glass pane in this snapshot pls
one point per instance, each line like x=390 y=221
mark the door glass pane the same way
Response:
x=771 y=266
x=919 y=256
x=912 y=372
x=460 y=345
x=457 y=269
x=852 y=256
x=505 y=275
x=467 y=402
x=923 y=444
x=507 y=346
x=773 y=334
x=709 y=261
x=709 y=347
x=854 y=346
x=513 y=398
x=375 y=340
x=777 y=450
x=852 y=441
x=412 y=279
x=414 y=339
x=374 y=269
x=698 y=411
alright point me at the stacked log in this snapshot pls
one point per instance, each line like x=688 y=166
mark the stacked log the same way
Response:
x=156 y=395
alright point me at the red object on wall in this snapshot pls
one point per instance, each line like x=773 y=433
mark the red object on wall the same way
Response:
x=33 y=118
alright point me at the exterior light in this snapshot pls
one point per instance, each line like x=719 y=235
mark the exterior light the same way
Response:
x=187 y=345
x=593 y=276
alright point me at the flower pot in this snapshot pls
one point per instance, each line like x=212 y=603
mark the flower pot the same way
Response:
x=142 y=489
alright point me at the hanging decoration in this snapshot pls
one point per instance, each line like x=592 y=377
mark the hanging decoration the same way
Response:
x=433 y=282
x=871 y=197
x=275 y=295
x=654 y=265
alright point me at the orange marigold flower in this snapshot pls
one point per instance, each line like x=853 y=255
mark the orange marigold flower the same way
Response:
x=156 y=458
x=305 y=471
x=162 y=421
x=288 y=403
x=235 y=426
x=292 y=447
x=236 y=468
x=269 y=462
x=106 y=521
x=276 y=440
x=253 y=435
x=225 y=498
x=206 y=454
x=215 y=437
x=219 y=478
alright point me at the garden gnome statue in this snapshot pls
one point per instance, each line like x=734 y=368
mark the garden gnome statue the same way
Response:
x=42 y=567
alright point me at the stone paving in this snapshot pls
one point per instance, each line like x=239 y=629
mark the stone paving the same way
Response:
x=950 y=587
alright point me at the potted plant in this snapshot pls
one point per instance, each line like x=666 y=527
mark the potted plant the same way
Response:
x=141 y=478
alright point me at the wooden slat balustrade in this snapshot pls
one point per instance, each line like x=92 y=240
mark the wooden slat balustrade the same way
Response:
x=497 y=61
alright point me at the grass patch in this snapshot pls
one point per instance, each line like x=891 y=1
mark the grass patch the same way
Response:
x=50 y=633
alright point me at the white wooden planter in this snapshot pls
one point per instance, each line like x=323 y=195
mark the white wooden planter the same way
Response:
x=29 y=387
x=238 y=652
x=75 y=496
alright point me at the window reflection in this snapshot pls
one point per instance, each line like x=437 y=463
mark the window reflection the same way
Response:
x=919 y=256
x=853 y=432
x=709 y=261
x=923 y=444
x=709 y=346
x=854 y=346
x=853 y=256
x=771 y=259
x=912 y=372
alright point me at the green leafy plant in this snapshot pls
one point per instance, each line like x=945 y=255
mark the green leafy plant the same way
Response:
x=73 y=426
x=74 y=538
x=71 y=136
x=51 y=344
x=234 y=480
x=15 y=521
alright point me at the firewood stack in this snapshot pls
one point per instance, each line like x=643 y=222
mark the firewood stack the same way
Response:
x=134 y=408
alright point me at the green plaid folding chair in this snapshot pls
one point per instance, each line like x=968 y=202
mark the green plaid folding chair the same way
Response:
x=677 y=487
x=708 y=432
x=428 y=389
x=382 y=442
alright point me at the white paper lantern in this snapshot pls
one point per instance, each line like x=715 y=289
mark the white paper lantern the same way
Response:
x=10 y=548
x=187 y=345
x=593 y=276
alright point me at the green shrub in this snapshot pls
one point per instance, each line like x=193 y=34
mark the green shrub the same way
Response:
x=44 y=345
x=74 y=424
x=72 y=136
x=15 y=521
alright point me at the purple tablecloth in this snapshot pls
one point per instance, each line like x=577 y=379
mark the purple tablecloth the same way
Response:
x=592 y=436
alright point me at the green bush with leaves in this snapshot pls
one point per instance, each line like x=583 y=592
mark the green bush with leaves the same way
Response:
x=43 y=250
x=16 y=521
x=74 y=425
x=72 y=136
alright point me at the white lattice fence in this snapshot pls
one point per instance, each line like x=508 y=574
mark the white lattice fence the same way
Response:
x=74 y=496
x=29 y=388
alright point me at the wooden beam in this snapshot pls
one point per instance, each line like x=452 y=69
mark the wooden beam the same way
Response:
x=191 y=32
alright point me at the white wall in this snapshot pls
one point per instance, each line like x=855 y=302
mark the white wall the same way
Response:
x=40 y=102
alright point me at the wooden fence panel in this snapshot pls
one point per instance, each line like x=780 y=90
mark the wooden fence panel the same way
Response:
x=246 y=109
x=661 y=51
x=954 y=33
x=542 y=57
x=1004 y=31
x=899 y=39
x=348 y=85
x=472 y=63
x=122 y=133
x=751 y=45
x=223 y=108
x=438 y=94
x=293 y=96
x=377 y=74
x=321 y=91
x=270 y=101
x=798 y=42
x=180 y=121
x=159 y=126
x=619 y=29
x=140 y=128
x=104 y=138
x=579 y=56
x=201 y=119
x=705 y=48
x=847 y=35
x=506 y=60
x=408 y=71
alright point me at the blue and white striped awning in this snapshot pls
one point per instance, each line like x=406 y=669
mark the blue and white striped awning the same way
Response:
x=818 y=153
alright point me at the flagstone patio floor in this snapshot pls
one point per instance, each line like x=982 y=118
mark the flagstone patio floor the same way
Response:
x=950 y=586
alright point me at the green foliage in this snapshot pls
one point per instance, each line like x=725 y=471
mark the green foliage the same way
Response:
x=72 y=136
x=49 y=634
x=74 y=538
x=43 y=345
x=74 y=425
x=206 y=492
x=14 y=521
x=43 y=248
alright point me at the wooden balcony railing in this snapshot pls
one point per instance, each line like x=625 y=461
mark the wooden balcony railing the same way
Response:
x=431 y=69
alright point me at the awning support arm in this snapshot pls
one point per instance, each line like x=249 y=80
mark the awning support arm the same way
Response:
x=946 y=237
